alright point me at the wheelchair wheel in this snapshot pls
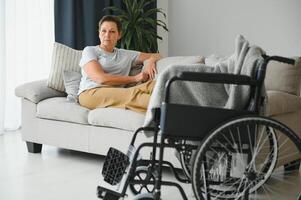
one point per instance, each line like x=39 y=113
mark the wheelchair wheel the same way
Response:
x=143 y=173
x=144 y=196
x=237 y=159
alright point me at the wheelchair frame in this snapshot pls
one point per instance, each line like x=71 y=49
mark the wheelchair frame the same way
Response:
x=170 y=127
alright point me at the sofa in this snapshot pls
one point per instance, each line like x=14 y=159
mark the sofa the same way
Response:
x=49 y=117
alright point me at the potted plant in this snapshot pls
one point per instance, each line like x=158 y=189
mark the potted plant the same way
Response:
x=138 y=25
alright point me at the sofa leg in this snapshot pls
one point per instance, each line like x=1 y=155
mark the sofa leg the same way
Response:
x=34 y=147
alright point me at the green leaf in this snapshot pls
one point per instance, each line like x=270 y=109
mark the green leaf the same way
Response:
x=139 y=36
x=160 y=10
x=150 y=12
x=159 y=37
x=128 y=39
x=163 y=25
x=148 y=3
x=141 y=4
x=125 y=25
x=150 y=21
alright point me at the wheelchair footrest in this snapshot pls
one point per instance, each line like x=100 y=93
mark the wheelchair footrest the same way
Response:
x=106 y=194
x=114 y=166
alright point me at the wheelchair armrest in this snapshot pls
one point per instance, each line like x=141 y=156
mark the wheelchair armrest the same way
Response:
x=217 y=78
x=222 y=78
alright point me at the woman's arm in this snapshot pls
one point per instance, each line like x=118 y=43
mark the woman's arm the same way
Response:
x=94 y=70
x=152 y=58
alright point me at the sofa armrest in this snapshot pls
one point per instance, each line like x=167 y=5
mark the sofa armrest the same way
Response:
x=37 y=91
x=282 y=102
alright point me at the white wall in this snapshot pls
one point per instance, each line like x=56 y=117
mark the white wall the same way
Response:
x=2 y=63
x=210 y=26
x=163 y=44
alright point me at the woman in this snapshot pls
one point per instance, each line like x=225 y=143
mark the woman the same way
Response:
x=105 y=70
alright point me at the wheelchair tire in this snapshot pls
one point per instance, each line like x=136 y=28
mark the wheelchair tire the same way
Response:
x=236 y=160
x=143 y=173
x=144 y=196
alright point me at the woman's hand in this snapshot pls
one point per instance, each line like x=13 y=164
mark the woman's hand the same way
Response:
x=141 y=77
x=150 y=68
x=151 y=58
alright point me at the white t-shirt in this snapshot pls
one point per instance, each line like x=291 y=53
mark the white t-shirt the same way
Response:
x=119 y=62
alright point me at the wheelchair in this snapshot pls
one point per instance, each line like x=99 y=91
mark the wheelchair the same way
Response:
x=224 y=153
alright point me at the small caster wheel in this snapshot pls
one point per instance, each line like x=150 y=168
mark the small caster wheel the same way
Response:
x=143 y=173
x=144 y=196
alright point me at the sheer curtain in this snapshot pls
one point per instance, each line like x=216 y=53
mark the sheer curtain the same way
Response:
x=29 y=37
x=2 y=63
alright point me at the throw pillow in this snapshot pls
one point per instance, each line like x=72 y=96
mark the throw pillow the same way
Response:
x=284 y=77
x=63 y=59
x=163 y=63
x=71 y=82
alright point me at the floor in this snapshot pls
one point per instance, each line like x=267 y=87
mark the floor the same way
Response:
x=63 y=174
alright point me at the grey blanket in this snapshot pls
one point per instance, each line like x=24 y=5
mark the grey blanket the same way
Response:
x=205 y=94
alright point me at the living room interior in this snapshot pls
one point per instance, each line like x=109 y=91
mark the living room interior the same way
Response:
x=67 y=162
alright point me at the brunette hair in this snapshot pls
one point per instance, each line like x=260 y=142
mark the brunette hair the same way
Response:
x=110 y=18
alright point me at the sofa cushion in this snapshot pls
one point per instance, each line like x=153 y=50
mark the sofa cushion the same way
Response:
x=281 y=103
x=284 y=77
x=37 y=91
x=117 y=118
x=64 y=58
x=59 y=108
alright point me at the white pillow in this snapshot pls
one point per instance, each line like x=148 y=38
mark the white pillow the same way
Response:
x=163 y=63
x=64 y=58
x=71 y=82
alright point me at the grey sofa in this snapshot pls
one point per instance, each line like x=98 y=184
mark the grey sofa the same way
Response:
x=48 y=118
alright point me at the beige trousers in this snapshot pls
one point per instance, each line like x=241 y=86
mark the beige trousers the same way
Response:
x=134 y=98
